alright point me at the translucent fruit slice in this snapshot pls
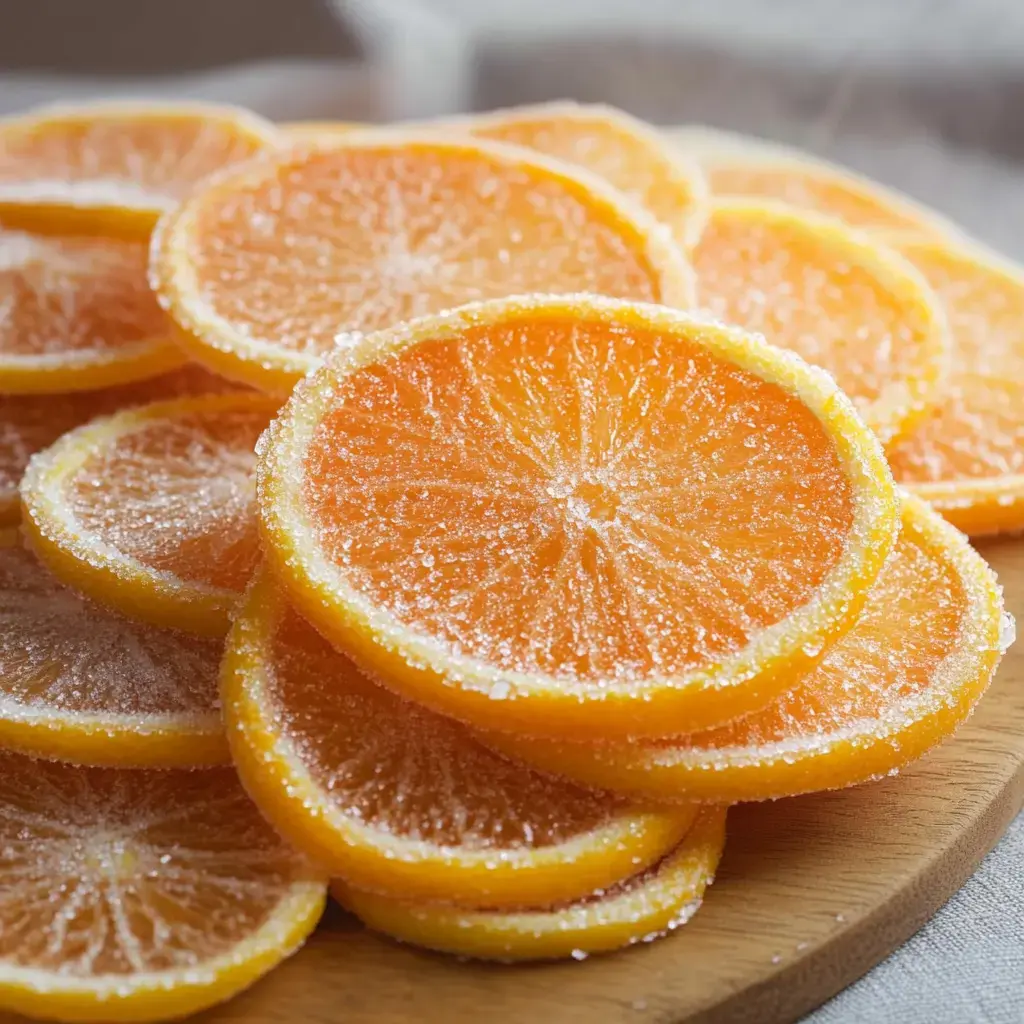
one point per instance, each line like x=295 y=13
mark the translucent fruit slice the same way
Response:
x=400 y=800
x=30 y=423
x=78 y=314
x=140 y=895
x=910 y=671
x=738 y=165
x=116 y=167
x=627 y=153
x=833 y=295
x=152 y=511
x=82 y=684
x=576 y=516
x=647 y=906
x=316 y=131
x=967 y=458
x=268 y=270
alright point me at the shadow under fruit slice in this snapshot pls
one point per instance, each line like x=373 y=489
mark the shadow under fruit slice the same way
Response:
x=270 y=268
x=134 y=895
x=81 y=683
x=967 y=457
x=651 y=904
x=400 y=800
x=575 y=517
x=910 y=672
x=152 y=511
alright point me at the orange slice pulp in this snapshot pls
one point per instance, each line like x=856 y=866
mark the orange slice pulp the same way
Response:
x=575 y=516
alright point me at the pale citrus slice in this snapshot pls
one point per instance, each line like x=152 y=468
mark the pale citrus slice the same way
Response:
x=116 y=167
x=76 y=314
x=152 y=511
x=910 y=671
x=841 y=300
x=401 y=800
x=740 y=165
x=651 y=904
x=627 y=153
x=967 y=459
x=140 y=895
x=316 y=131
x=270 y=268
x=82 y=684
x=576 y=516
x=30 y=423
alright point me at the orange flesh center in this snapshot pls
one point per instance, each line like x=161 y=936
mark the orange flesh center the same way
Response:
x=978 y=430
x=587 y=501
x=812 y=295
x=376 y=237
x=178 y=494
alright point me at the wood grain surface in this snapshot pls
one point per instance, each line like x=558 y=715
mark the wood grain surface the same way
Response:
x=812 y=892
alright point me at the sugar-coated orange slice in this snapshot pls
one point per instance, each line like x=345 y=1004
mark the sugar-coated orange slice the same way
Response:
x=575 y=516
x=152 y=511
x=901 y=680
x=140 y=895
x=650 y=905
x=967 y=458
x=400 y=800
x=269 y=269
x=114 y=167
x=840 y=299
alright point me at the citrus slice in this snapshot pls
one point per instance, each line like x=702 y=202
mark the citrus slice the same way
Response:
x=576 y=516
x=140 y=895
x=115 y=167
x=833 y=295
x=30 y=423
x=967 y=459
x=910 y=671
x=80 y=683
x=738 y=165
x=316 y=131
x=272 y=267
x=401 y=800
x=624 y=151
x=152 y=511
x=647 y=906
x=76 y=313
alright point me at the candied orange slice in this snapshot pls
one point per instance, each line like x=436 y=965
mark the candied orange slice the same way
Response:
x=842 y=301
x=152 y=511
x=82 y=684
x=78 y=314
x=967 y=459
x=269 y=269
x=910 y=671
x=401 y=800
x=624 y=151
x=30 y=423
x=140 y=895
x=738 y=165
x=115 y=167
x=575 y=516
x=651 y=904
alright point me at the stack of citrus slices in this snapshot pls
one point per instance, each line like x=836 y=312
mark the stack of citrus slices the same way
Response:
x=484 y=492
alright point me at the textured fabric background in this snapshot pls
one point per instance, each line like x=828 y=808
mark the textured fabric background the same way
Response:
x=927 y=95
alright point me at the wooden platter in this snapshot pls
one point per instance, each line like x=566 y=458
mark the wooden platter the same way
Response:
x=812 y=892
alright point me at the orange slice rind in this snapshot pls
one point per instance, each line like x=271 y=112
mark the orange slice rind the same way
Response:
x=403 y=801
x=140 y=895
x=152 y=510
x=839 y=298
x=967 y=458
x=115 y=167
x=549 y=437
x=79 y=683
x=903 y=679
x=271 y=267
x=643 y=908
